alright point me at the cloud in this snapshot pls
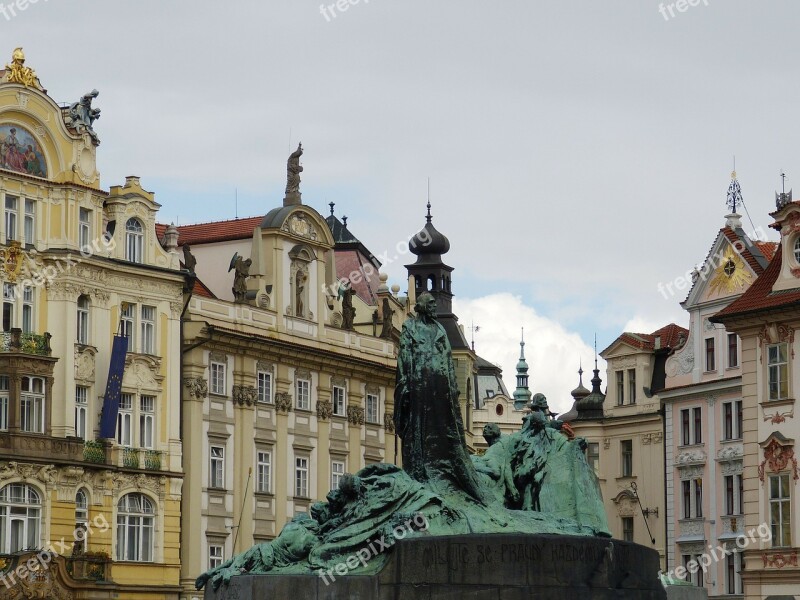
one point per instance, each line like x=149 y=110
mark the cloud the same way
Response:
x=552 y=352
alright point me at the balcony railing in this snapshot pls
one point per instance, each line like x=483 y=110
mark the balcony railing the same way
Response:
x=94 y=452
x=25 y=343
x=152 y=460
x=130 y=458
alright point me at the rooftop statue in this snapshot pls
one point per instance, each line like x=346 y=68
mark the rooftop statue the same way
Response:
x=17 y=72
x=240 y=277
x=533 y=481
x=82 y=116
x=293 y=170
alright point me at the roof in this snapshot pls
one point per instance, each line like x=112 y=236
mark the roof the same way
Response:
x=363 y=276
x=767 y=248
x=341 y=235
x=215 y=231
x=669 y=334
x=200 y=289
x=760 y=296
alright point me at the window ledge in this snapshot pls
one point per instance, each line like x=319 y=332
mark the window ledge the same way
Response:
x=626 y=477
x=781 y=402
x=264 y=495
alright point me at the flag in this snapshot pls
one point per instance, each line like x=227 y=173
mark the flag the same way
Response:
x=108 y=421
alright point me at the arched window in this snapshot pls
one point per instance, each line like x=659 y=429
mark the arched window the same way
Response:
x=134 y=241
x=20 y=518
x=83 y=320
x=135 y=525
x=81 y=508
x=797 y=250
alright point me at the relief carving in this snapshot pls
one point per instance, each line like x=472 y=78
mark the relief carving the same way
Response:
x=355 y=414
x=196 y=386
x=283 y=402
x=244 y=395
x=324 y=410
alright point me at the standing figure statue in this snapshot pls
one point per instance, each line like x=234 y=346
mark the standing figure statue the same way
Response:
x=386 y=329
x=242 y=267
x=82 y=116
x=189 y=261
x=427 y=413
x=346 y=292
x=293 y=170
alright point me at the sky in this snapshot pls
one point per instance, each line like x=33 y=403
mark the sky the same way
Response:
x=578 y=152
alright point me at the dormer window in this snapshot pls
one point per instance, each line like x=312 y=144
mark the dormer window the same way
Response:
x=134 y=240
x=797 y=250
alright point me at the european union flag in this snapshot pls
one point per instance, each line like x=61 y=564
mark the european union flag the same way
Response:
x=108 y=421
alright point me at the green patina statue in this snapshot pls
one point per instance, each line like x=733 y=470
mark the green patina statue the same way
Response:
x=536 y=480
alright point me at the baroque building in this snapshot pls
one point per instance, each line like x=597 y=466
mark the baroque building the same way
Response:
x=79 y=264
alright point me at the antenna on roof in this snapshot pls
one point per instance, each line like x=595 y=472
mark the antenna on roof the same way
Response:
x=236 y=200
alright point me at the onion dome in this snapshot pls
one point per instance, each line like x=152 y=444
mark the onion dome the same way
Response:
x=429 y=244
x=591 y=406
x=580 y=392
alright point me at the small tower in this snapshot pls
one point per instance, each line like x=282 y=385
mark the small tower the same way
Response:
x=580 y=392
x=591 y=406
x=522 y=395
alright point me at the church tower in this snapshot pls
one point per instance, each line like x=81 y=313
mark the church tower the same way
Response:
x=522 y=395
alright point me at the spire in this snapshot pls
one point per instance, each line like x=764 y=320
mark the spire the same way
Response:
x=331 y=204
x=429 y=218
x=522 y=395
x=580 y=392
x=591 y=406
x=783 y=198
x=735 y=199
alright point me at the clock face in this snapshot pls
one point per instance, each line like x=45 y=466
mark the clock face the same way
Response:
x=731 y=275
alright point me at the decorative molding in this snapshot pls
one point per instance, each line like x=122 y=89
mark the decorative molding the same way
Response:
x=84 y=363
x=657 y=437
x=304 y=374
x=388 y=423
x=692 y=547
x=730 y=453
x=355 y=414
x=283 y=402
x=779 y=416
x=692 y=457
x=778 y=457
x=732 y=525
x=244 y=395
x=265 y=367
x=647 y=439
x=300 y=224
x=606 y=443
x=372 y=389
x=142 y=372
x=218 y=357
x=778 y=560
x=774 y=334
x=324 y=410
x=196 y=386
x=682 y=362
x=711 y=400
x=626 y=504
x=692 y=528
x=338 y=381
x=691 y=472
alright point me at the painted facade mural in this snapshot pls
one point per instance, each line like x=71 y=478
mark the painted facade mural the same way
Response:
x=20 y=152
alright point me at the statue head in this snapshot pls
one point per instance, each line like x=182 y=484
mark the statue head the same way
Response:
x=491 y=433
x=539 y=402
x=426 y=305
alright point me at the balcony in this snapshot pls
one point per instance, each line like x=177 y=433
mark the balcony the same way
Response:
x=130 y=458
x=94 y=452
x=89 y=566
x=16 y=342
x=152 y=460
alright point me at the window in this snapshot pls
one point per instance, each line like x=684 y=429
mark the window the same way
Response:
x=692 y=498
x=9 y=298
x=125 y=420
x=627 y=529
x=4 y=398
x=30 y=222
x=135 y=526
x=620 y=388
x=84 y=229
x=264 y=473
x=626 y=448
x=82 y=335
x=301 y=477
x=148 y=327
x=81 y=509
x=691 y=426
x=734 y=495
x=11 y=218
x=27 y=309
x=134 y=241
x=780 y=510
x=732 y=420
x=147 y=416
x=20 y=518
x=217 y=471
x=733 y=577
x=372 y=408
x=128 y=324
x=339 y=401
x=217 y=370
x=797 y=250
x=216 y=556
x=303 y=387
x=695 y=573
x=32 y=405
x=337 y=471
x=710 y=362
x=264 y=387
x=593 y=455
x=740 y=492
x=730 y=508
x=632 y=386
x=733 y=350
x=778 y=371
x=81 y=410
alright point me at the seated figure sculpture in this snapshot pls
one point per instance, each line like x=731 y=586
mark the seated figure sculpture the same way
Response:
x=533 y=481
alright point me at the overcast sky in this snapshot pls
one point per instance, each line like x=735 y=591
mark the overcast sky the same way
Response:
x=579 y=151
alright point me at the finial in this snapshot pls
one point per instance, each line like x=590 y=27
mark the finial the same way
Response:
x=595 y=352
x=429 y=217
x=331 y=204
x=344 y=221
x=784 y=197
x=783 y=181
x=580 y=370
x=734 y=193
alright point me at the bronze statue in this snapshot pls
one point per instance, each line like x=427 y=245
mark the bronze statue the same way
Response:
x=293 y=170
x=386 y=329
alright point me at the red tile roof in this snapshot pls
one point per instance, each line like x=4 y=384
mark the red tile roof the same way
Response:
x=760 y=296
x=767 y=249
x=350 y=264
x=669 y=334
x=217 y=231
x=200 y=289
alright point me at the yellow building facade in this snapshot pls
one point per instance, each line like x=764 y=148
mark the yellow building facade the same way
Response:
x=77 y=265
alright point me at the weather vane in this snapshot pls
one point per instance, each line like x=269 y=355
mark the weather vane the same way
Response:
x=734 y=193
x=474 y=329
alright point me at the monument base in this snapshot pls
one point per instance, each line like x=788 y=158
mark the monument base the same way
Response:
x=479 y=567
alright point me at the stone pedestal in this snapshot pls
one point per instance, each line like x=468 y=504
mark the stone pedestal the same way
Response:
x=478 y=567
